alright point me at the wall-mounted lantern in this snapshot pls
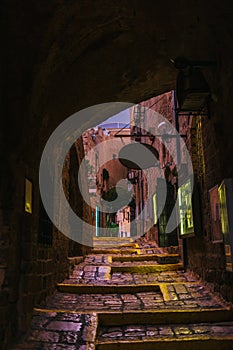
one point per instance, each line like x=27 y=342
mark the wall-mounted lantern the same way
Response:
x=192 y=90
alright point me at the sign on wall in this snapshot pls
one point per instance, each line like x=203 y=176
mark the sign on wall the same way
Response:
x=217 y=235
x=28 y=196
x=186 y=209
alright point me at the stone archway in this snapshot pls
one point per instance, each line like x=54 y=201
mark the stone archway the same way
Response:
x=61 y=57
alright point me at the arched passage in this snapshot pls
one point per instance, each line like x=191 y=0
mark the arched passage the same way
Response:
x=61 y=57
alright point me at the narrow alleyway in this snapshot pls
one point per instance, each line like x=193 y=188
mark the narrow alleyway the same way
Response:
x=130 y=297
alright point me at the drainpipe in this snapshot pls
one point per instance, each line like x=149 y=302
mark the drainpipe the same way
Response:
x=176 y=123
x=184 y=254
x=97 y=222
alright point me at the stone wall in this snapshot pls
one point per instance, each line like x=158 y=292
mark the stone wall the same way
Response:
x=29 y=267
x=8 y=321
x=205 y=257
x=78 y=204
x=29 y=270
x=159 y=109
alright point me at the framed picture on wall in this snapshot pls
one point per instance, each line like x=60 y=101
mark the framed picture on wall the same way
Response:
x=185 y=209
x=28 y=196
x=216 y=227
x=189 y=211
x=225 y=191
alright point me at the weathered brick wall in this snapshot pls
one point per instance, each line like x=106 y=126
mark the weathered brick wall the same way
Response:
x=41 y=267
x=205 y=257
x=78 y=204
x=8 y=321
x=163 y=107
x=11 y=195
x=29 y=270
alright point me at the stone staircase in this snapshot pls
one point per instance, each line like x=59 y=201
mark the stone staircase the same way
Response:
x=126 y=300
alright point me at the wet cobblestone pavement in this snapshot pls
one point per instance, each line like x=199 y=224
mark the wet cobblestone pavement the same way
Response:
x=175 y=305
x=95 y=275
x=54 y=330
x=187 y=297
x=172 y=331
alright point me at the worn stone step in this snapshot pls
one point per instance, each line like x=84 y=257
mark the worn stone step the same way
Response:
x=172 y=316
x=133 y=258
x=160 y=258
x=60 y=329
x=168 y=258
x=121 y=288
x=125 y=251
x=75 y=260
x=101 y=242
x=106 y=289
x=195 y=336
x=117 y=239
x=116 y=246
x=146 y=268
x=195 y=342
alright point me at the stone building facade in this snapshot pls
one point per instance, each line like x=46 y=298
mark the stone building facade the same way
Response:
x=157 y=118
x=213 y=262
x=105 y=171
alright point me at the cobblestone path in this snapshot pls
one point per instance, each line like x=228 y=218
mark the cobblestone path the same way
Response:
x=134 y=298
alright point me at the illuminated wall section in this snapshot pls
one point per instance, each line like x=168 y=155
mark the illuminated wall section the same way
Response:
x=226 y=213
x=155 y=209
x=28 y=196
x=186 y=209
